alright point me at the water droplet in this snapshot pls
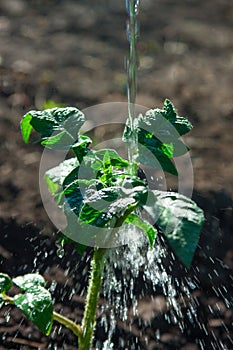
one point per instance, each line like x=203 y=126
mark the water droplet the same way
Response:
x=136 y=6
x=7 y=317
x=60 y=252
x=157 y=334
x=53 y=286
x=132 y=7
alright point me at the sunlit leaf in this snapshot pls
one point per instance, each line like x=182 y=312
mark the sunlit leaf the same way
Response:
x=31 y=280
x=63 y=139
x=26 y=127
x=36 y=304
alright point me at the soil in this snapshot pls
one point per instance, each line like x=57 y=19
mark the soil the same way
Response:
x=72 y=52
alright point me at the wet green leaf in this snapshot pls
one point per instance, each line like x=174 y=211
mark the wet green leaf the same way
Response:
x=5 y=283
x=145 y=226
x=108 y=215
x=108 y=205
x=180 y=220
x=36 y=304
x=31 y=280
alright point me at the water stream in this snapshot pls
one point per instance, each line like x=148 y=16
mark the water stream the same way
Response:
x=132 y=31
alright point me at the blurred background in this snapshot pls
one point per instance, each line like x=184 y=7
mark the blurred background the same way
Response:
x=73 y=52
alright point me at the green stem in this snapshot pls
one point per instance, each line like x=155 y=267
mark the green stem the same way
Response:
x=95 y=281
x=75 y=328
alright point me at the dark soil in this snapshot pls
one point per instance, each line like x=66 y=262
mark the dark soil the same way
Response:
x=72 y=52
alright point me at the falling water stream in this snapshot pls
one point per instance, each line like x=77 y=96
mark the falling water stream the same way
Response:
x=132 y=9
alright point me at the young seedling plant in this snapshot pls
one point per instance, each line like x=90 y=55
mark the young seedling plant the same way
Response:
x=102 y=193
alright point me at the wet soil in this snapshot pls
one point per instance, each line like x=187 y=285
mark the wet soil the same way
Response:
x=72 y=52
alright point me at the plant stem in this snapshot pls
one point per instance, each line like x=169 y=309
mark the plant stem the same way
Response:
x=75 y=328
x=95 y=281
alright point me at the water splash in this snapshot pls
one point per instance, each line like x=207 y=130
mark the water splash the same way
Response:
x=127 y=268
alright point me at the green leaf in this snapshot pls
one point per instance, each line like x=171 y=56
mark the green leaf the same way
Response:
x=52 y=186
x=36 y=304
x=29 y=281
x=96 y=209
x=154 y=157
x=58 y=174
x=74 y=197
x=74 y=194
x=148 y=229
x=63 y=139
x=113 y=158
x=102 y=207
x=158 y=133
x=106 y=206
x=5 y=283
x=179 y=218
x=182 y=125
x=26 y=127
x=55 y=177
x=80 y=147
x=58 y=127
x=169 y=109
